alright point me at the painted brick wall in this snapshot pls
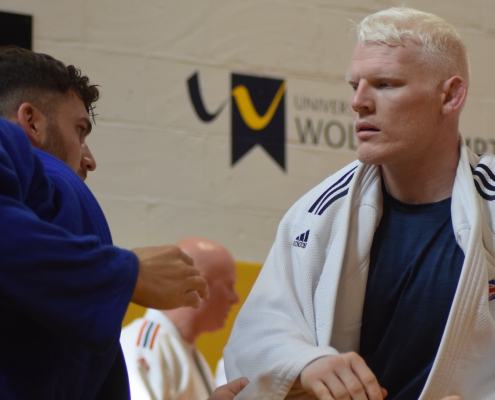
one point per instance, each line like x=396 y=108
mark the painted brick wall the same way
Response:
x=163 y=173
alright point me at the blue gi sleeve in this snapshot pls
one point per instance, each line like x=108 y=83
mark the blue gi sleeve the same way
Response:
x=71 y=284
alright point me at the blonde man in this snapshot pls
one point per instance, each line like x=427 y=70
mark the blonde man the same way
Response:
x=390 y=296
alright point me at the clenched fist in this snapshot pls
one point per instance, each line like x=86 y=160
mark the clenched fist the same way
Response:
x=167 y=279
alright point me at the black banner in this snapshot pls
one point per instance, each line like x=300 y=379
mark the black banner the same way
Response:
x=258 y=116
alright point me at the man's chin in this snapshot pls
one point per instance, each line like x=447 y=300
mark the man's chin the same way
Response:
x=368 y=158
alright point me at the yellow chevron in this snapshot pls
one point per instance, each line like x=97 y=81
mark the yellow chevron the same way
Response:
x=249 y=114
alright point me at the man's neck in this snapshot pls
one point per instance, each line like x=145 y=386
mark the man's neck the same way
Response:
x=425 y=181
x=184 y=324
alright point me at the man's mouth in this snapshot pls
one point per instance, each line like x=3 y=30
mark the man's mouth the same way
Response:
x=366 y=126
x=365 y=130
x=83 y=174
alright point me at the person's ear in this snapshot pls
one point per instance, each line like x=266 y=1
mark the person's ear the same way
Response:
x=33 y=123
x=454 y=92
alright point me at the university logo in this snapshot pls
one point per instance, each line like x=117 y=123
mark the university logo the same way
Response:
x=301 y=240
x=258 y=114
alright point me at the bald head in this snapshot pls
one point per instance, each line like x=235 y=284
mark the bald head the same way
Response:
x=217 y=265
x=210 y=257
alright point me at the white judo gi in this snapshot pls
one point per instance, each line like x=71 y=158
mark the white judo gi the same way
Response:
x=308 y=299
x=161 y=365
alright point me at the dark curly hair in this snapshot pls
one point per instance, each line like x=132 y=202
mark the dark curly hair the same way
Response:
x=26 y=76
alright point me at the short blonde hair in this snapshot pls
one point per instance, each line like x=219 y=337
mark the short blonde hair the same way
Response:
x=442 y=47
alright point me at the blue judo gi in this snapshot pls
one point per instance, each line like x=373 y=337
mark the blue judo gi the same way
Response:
x=64 y=289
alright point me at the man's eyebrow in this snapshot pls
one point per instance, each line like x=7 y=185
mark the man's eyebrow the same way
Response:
x=89 y=125
x=386 y=76
x=350 y=78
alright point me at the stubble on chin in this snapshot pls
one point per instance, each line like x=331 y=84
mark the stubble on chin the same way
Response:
x=366 y=159
x=366 y=156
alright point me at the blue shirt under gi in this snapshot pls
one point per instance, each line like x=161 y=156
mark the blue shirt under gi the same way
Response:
x=415 y=264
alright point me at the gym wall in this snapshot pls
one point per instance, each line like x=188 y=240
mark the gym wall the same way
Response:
x=179 y=150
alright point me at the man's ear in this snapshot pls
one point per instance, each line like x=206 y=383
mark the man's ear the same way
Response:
x=454 y=92
x=33 y=123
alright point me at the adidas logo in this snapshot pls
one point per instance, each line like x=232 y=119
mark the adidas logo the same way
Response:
x=484 y=181
x=301 y=240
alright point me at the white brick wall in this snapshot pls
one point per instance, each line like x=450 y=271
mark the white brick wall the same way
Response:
x=162 y=173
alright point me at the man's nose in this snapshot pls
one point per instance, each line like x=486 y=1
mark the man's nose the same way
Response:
x=362 y=99
x=87 y=160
